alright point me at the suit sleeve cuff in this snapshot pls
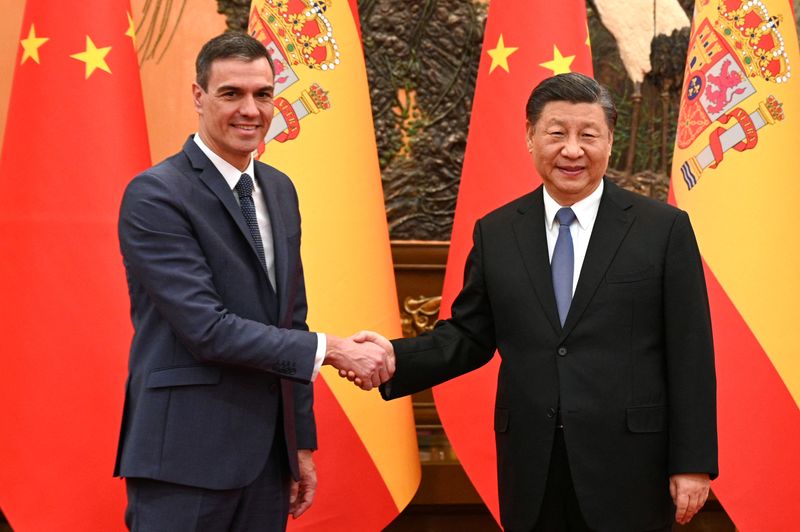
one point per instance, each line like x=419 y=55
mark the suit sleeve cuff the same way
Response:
x=322 y=345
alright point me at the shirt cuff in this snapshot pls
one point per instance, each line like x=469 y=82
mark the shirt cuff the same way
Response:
x=319 y=357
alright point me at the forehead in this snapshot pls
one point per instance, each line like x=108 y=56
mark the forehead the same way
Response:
x=579 y=114
x=238 y=72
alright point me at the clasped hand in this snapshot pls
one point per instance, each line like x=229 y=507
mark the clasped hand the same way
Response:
x=366 y=358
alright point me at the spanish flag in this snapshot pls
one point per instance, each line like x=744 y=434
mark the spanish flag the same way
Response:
x=75 y=135
x=735 y=170
x=525 y=42
x=322 y=136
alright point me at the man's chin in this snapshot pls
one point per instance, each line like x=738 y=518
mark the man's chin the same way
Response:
x=248 y=147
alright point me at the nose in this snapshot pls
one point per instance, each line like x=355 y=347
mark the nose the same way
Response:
x=248 y=106
x=572 y=147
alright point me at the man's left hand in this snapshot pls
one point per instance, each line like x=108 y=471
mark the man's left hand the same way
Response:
x=689 y=493
x=302 y=494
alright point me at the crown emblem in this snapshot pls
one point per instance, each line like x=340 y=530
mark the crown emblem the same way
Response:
x=755 y=36
x=300 y=29
x=298 y=36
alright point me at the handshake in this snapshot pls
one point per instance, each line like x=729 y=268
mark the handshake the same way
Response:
x=365 y=359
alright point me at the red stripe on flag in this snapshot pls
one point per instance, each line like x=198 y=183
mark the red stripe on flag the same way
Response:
x=758 y=424
x=356 y=18
x=348 y=478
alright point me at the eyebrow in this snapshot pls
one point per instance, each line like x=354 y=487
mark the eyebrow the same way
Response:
x=581 y=124
x=223 y=88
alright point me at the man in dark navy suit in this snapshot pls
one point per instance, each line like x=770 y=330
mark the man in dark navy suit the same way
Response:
x=218 y=427
x=594 y=297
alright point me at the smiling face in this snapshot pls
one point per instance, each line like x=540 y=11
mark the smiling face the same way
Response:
x=236 y=110
x=570 y=144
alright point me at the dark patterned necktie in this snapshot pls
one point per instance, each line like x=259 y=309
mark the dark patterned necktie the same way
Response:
x=563 y=263
x=244 y=188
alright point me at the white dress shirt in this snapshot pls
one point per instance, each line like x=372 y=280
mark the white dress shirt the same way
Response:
x=231 y=174
x=581 y=229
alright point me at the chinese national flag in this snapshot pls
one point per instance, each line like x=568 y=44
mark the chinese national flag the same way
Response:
x=75 y=135
x=525 y=42
x=322 y=136
x=735 y=171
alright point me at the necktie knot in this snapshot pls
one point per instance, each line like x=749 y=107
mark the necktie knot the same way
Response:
x=245 y=186
x=565 y=216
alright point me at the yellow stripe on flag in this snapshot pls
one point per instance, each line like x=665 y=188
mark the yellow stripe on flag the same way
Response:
x=744 y=203
x=329 y=151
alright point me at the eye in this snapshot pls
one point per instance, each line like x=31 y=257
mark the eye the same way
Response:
x=556 y=133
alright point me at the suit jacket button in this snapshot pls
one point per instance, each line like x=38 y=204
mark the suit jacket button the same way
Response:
x=551 y=413
x=562 y=351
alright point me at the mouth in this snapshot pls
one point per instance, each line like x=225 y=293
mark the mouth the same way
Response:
x=246 y=127
x=571 y=170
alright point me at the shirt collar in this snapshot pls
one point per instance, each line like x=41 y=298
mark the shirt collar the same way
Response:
x=228 y=171
x=585 y=210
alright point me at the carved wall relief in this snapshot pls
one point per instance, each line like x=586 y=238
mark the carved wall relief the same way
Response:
x=422 y=60
x=419 y=314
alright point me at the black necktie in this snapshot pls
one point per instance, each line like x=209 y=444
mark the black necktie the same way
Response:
x=244 y=188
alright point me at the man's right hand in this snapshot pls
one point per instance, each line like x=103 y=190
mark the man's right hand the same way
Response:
x=380 y=341
x=367 y=361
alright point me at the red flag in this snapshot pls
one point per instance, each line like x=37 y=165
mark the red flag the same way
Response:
x=736 y=154
x=525 y=42
x=75 y=135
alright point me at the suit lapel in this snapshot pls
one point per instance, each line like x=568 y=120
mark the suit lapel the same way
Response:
x=211 y=177
x=214 y=181
x=532 y=243
x=612 y=224
x=279 y=246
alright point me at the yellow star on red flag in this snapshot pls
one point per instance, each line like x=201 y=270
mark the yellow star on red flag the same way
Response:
x=31 y=45
x=500 y=54
x=559 y=64
x=94 y=57
x=131 y=28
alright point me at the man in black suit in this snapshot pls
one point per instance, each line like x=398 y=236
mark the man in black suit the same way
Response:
x=218 y=427
x=605 y=417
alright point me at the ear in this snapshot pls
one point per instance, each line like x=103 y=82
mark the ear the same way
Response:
x=610 y=141
x=529 y=134
x=197 y=97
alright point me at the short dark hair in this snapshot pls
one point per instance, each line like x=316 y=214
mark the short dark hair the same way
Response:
x=226 y=46
x=570 y=87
